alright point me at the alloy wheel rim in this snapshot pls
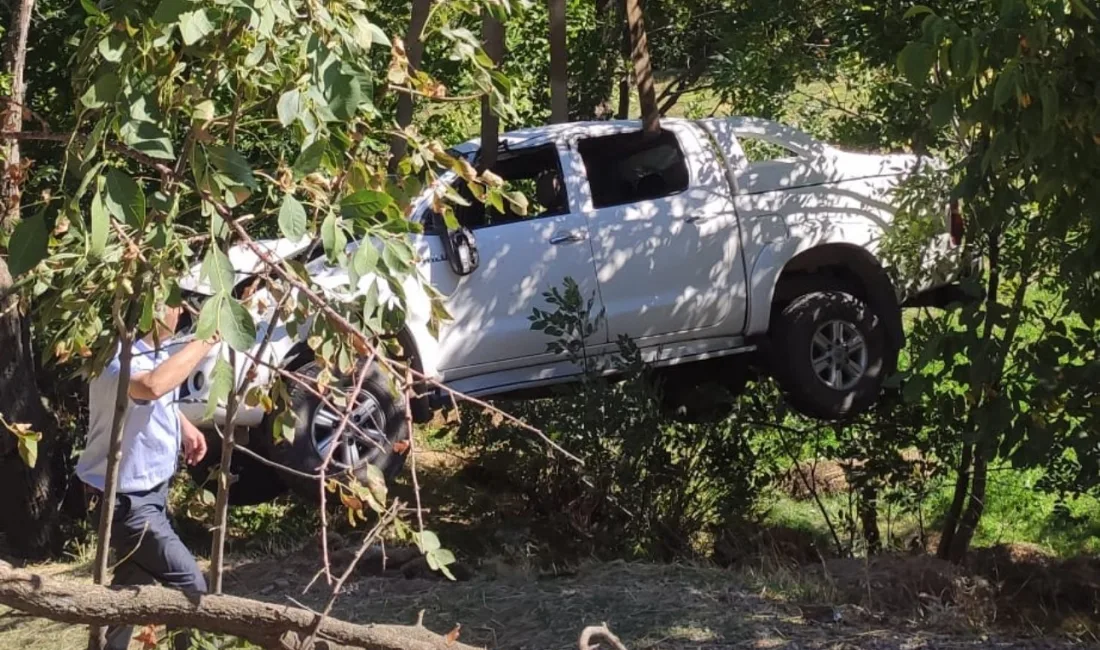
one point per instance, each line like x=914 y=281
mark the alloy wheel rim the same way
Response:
x=838 y=355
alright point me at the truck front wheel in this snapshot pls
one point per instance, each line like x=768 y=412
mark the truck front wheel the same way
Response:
x=831 y=354
x=377 y=432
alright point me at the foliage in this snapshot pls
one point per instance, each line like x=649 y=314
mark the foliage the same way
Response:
x=650 y=487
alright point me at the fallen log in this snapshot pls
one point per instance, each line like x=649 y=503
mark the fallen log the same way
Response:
x=265 y=624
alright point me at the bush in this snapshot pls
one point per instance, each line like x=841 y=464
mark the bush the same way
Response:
x=650 y=487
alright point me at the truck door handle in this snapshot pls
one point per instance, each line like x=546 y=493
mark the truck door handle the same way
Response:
x=569 y=237
x=697 y=219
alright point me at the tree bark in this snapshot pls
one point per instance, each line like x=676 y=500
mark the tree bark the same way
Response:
x=225 y=482
x=414 y=50
x=28 y=516
x=264 y=624
x=559 y=64
x=643 y=69
x=974 y=509
x=958 y=500
x=96 y=636
x=624 y=82
x=868 y=518
x=492 y=36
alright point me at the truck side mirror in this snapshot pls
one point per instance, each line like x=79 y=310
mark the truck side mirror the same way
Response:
x=460 y=246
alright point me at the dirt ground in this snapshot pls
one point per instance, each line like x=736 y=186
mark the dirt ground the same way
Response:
x=648 y=606
x=519 y=604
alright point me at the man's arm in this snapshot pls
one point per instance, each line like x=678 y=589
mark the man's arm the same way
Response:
x=194 y=441
x=166 y=377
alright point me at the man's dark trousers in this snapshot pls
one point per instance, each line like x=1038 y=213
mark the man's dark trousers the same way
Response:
x=148 y=552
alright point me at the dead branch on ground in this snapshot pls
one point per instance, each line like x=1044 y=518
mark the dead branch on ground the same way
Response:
x=597 y=632
x=265 y=624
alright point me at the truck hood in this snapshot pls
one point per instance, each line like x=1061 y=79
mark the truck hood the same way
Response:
x=245 y=262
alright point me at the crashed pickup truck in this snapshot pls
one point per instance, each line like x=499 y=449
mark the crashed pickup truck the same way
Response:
x=714 y=263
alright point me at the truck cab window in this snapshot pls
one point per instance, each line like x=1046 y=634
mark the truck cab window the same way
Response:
x=629 y=167
x=534 y=172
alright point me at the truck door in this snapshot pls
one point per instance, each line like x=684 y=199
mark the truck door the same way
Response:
x=664 y=233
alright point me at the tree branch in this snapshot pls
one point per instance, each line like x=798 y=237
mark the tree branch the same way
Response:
x=261 y=623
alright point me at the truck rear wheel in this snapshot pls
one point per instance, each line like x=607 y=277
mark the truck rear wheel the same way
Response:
x=831 y=354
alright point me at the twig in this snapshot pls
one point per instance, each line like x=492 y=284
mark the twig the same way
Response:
x=369 y=539
x=364 y=345
x=598 y=631
x=407 y=388
x=350 y=406
x=438 y=98
x=164 y=170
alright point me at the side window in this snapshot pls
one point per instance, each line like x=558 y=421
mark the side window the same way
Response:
x=534 y=172
x=627 y=168
x=758 y=150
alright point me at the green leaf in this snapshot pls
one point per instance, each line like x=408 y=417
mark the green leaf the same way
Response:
x=236 y=325
x=333 y=237
x=28 y=244
x=204 y=111
x=194 y=25
x=104 y=90
x=364 y=205
x=285 y=426
x=1006 y=86
x=290 y=105
x=221 y=383
x=364 y=261
x=344 y=95
x=217 y=269
x=231 y=163
x=169 y=11
x=916 y=61
x=943 y=110
x=145 y=324
x=1049 y=96
x=112 y=47
x=292 y=218
x=397 y=256
x=518 y=201
x=124 y=199
x=28 y=449
x=101 y=226
x=917 y=10
x=376 y=483
x=378 y=37
x=310 y=159
x=964 y=57
x=428 y=541
x=207 y=325
x=370 y=306
x=148 y=138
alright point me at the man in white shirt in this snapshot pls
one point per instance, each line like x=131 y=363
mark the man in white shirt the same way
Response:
x=153 y=433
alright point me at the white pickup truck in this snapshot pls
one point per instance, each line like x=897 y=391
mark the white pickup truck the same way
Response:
x=709 y=259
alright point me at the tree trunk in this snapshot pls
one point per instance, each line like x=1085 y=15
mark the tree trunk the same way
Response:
x=414 y=50
x=492 y=37
x=264 y=624
x=643 y=70
x=96 y=635
x=28 y=516
x=225 y=482
x=954 y=512
x=559 y=66
x=625 y=86
x=974 y=510
x=868 y=518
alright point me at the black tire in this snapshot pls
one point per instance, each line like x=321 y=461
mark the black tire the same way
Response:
x=822 y=392
x=256 y=482
x=384 y=412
